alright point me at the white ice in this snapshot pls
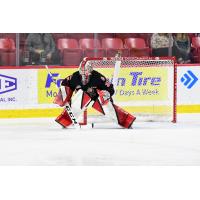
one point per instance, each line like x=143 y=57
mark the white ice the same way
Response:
x=44 y=142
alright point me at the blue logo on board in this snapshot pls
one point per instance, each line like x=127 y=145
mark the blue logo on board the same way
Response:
x=53 y=78
x=7 y=83
x=189 y=79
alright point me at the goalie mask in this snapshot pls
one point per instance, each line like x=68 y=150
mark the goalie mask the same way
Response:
x=85 y=70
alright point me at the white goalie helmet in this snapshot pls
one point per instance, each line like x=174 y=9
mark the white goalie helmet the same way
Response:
x=85 y=70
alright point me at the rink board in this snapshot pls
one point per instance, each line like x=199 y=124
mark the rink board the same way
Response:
x=29 y=91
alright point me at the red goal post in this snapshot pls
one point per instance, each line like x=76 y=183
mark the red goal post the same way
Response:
x=145 y=86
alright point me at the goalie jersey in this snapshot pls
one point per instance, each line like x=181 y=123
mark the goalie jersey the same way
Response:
x=96 y=82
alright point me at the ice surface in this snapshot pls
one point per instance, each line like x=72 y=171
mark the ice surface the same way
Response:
x=44 y=142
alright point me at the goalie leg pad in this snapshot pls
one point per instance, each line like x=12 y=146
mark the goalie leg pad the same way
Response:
x=64 y=95
x=64 y=119
x=73 y=114
x=125 y=119
x=98 y=106
x=119 y=115
x=79 y=103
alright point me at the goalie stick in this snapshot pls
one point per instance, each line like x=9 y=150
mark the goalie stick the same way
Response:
x=67 y=106
x=116 y=70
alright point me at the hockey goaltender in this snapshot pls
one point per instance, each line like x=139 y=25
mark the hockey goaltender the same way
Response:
x=91 y=89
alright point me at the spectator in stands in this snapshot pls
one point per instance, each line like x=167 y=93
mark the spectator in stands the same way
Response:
x=182 y=48
x=42 y=49
x=160 y=44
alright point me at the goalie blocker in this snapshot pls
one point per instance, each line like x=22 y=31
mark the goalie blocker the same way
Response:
x=81 y=101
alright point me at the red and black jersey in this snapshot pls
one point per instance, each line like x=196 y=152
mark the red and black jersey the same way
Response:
x=96 y=82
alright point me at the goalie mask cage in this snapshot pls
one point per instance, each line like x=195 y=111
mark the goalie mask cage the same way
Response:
x=145 y=87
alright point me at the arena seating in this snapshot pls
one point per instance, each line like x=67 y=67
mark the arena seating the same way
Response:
x=87 y=43
x=137 y=47
x=113 y=45
x=70 y=52
x=66 y=43
x=7 y=52
x=91 y=47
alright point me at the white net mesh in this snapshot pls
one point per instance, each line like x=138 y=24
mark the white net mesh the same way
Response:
x=131 y=62
x=146 y=87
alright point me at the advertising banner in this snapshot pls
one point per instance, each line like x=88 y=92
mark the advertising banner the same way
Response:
x=18 y=88
x=30 y=91
x=140 y=84
x=47 y=89
x=188 y=85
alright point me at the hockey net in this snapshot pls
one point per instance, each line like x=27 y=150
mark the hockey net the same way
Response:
x=145 y=87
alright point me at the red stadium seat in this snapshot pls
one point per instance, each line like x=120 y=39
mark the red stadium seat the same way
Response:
x=70 y=52
x=196 y=42
x=113 y=45
x=146 y=37
x=89 y=43
x=91 y=47
x=72 y=57
x=65 y=43
x=137 y=43
x=195 y=49
x=8 y=58
x=7 y=44
x=7 y=52
x=137 y=47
